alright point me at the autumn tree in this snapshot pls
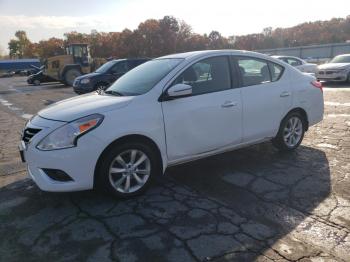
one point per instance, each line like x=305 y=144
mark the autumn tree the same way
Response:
x=51 y=47
x=157 y=37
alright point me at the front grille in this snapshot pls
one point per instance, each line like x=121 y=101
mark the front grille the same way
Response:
x=28 y=133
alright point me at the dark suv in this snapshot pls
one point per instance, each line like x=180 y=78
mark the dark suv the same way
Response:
x=105 y=75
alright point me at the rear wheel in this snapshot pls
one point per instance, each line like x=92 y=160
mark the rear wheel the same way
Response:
x=291 y=132
x=36 y=82
x=127 y=170
x=70 y=76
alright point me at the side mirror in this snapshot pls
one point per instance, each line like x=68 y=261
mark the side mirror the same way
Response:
x=179 y=90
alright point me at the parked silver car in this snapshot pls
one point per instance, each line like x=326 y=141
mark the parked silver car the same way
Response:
x=299 y=63
x=338 y=69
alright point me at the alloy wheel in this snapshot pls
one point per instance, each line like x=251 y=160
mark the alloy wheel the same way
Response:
x=293 y=131
x=129 y=171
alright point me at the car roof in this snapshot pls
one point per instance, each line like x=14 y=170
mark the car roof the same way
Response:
x=130 y=59
x=189 y=55
x=286 y=56
x=344 y=55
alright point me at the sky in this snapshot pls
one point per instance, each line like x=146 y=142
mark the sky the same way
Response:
x=42 y=19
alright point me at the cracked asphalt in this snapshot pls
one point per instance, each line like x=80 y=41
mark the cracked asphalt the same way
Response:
x=253 y=204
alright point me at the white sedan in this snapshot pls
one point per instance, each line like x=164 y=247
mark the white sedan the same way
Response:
x=299 y=63
x=165 y=112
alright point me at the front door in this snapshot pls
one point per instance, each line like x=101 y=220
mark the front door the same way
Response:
x=210 y=118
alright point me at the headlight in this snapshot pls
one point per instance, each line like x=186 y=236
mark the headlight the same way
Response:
x=66 y=136
x=85 y=81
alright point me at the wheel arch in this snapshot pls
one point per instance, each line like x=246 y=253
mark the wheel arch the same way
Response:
x=303 y=113
x=130 y=138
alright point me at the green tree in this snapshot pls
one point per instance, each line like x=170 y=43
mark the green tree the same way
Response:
x=21 y=47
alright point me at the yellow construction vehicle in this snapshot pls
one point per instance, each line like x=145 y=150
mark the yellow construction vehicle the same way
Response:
x=76 y=62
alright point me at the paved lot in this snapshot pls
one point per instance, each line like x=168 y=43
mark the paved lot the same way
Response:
x=254 y=204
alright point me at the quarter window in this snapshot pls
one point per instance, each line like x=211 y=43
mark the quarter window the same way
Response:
x=253 y=71
x=206 y=76
x=276 y=71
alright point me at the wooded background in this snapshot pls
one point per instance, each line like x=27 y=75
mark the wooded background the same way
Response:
x=154 y=38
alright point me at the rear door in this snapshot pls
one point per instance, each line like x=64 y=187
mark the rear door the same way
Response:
x=266 y=97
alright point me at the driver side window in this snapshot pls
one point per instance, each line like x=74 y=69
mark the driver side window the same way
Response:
x=120 y=68
x=206 y=76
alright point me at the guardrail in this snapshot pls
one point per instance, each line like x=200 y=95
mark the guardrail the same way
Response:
x=314 y=53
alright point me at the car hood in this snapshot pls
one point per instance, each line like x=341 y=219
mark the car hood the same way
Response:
x=90 y=75
x=334 y=66
x=80 y=106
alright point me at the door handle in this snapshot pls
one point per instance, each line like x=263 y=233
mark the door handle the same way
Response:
x=229 y=104
x=284 y=94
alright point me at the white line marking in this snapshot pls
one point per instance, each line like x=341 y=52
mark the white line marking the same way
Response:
x=325 y=145
x=329 y=103
x=27 y=116
x=330 y=89
x=15 y=108
x=338 y=115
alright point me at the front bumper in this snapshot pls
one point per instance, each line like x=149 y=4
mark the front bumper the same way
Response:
x=341 y=76
x=78 y=162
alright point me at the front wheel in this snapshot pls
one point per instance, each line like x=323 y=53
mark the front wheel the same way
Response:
x=291 y=132
x=127 y=169
x=101 y=86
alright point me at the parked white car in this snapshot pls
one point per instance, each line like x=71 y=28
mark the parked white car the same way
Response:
x=299 y=63
x=338 y=69
x=168 y=111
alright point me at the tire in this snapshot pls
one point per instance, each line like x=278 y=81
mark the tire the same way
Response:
x=288 y=137
x=115 y=183
x=36 y=82
x=70 y=76
x=102 y=86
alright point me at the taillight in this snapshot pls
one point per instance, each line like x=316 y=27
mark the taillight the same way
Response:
x=317 y=85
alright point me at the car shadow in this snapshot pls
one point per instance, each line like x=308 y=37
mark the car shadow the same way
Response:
x=276 y=191
x=230 y=207
x=335 y=84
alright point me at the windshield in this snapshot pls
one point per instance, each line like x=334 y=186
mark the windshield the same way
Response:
x=341 y=59
x=143 y=78
x=105 y=67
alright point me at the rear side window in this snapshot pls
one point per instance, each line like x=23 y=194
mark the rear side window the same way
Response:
x=276 y=71
x=253 y=71
x=134 y=63
x=293 y=61
x=206 y=76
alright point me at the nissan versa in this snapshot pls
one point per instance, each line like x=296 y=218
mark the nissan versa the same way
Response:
x=167 y=111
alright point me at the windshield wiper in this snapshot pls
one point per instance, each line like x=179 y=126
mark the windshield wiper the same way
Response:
x=112 y=92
